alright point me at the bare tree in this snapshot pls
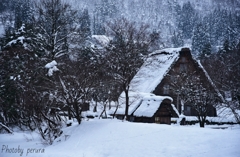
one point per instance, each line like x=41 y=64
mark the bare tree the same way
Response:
x=125 y=52
x=77 y=82
x=191 y=92
x=203 y=100
x=224 y=69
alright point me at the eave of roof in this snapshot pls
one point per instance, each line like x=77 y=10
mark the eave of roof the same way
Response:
x=209 y=79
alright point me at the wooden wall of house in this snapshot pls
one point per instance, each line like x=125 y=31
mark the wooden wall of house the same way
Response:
x=144 y=119
x=185 y=64
x=164 y=113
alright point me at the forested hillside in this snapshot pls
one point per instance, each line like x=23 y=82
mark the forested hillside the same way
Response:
x=51 y=65
x=179 y=22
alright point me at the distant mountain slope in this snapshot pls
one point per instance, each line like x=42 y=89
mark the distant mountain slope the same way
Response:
x=161 y=15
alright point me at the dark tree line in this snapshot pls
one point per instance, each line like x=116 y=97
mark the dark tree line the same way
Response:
x=51 y=70
x=179 y=23
x=39 y=77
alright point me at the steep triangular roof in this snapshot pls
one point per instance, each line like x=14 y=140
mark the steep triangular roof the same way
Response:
x=154 y=70
x=150 y=75
x=156 y=67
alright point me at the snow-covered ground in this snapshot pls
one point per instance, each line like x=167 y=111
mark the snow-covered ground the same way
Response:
x=114 y=138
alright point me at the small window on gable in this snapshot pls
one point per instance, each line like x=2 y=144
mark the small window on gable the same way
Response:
x=166 y=89
x=183 y=67
x=183 y=59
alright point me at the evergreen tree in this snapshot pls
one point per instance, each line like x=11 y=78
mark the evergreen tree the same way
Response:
x=187 y=19
x=200 y=38
x=19 y=68
x=206 y=51
x=79 y=36
x=22 y=12
x=177 y=39
x=3 y=5
x=85 y=24
x=233 y=29
x=104 y=11
x=226 y=47
x=52 y=21
x=222 y=28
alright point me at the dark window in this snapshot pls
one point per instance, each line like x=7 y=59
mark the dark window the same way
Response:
x=183 y=60
x=183 y=67
x=187 y=111
x=131 y=119
x=157 y=120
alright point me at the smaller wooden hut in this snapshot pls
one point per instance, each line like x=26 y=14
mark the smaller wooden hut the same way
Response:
x=155 y=109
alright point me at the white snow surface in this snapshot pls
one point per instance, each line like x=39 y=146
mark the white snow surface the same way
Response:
x=114 y=138
x=19 y=39
x=150 y=105
x=52 y=66
x=225 y=115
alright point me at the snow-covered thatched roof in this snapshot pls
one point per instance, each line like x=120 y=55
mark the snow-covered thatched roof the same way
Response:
x=154 y=70
x=149 y=105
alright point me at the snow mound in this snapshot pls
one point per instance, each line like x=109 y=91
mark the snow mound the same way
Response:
x=52 y=67
x=100 y=41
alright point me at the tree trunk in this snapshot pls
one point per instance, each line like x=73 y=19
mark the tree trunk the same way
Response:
x=201 y=121
x=116 y=109
x=110 y=105
x=236 y=115
x=95 y=107
x=127 y=104
x=78 y=112
x=69 y=113
x=201 y=124
x=104 y=109
x=6 y=128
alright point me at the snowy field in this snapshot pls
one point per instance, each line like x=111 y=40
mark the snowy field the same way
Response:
x=114 y=138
